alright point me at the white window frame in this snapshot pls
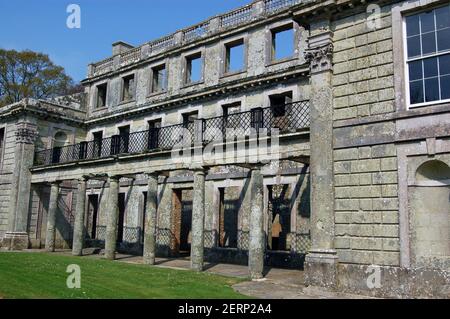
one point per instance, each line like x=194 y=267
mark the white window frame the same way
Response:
x=421 y=58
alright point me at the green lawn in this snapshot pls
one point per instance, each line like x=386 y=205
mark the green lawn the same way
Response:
x=42 y=275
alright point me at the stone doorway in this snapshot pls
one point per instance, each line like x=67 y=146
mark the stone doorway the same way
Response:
x=92 y=215
x=279 y=217
x=120 y=226
x=181 y=222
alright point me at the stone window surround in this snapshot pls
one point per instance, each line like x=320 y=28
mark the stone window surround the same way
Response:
x=226 y=102
x=150 y=92
x=280 y=25
x=282 y=89
x=122 y=124
x=184 y=58
x=223 y=54
x=94 y=106
x=399 y=48
x=122 y=83
x=189 y=109
x=430 y=147
x=90 y=134
x=155 y=117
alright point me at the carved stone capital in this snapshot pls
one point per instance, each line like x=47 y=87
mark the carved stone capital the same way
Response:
x=26 y=133
x=320 y=58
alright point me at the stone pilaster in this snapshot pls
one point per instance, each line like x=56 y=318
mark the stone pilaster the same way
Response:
x=16 y=238
x=257 y=244
x=321 y=261
x=150 y=219
x=112 y=218
x=51 y=217
x=198 y=220
x=78 y=229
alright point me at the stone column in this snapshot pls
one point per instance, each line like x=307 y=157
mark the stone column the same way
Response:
x=198 y=220
x=150 y=219
x=257 y=244
x=321 y=261
x=16 y=238
x=78 y=229
x=112 y=218
x=51 y=217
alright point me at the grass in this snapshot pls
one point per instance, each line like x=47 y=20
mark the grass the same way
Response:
x=42 y=275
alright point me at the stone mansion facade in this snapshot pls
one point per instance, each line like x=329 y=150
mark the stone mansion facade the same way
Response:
x=352 y=98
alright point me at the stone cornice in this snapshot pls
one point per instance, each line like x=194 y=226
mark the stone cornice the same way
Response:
x=44 y=110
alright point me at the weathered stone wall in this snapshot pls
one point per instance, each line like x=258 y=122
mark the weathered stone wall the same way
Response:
x=366 y=187
x=363 y=81
x=6 y=170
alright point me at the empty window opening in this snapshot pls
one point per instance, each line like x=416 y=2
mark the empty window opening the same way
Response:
x=124 y=133
x=194 y=66
x=153 y=133
x=230 y=121
x=235 y=60
x=121 y=222
x=279 y=217
x=92 y=216
x=283 y=43
x=98 y=141
x=182 y=222
x=128 y=88
x=2 y=143
x=189 y=118
x=228 y=217
x=159 y=80
x=278 y=102
x=102 y=91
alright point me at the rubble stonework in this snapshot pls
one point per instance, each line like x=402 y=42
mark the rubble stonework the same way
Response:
x=361 y=182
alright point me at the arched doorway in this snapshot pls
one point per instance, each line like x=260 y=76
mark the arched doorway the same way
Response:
x=59 y=141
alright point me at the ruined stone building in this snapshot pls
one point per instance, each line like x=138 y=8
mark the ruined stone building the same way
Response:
x=358 y=179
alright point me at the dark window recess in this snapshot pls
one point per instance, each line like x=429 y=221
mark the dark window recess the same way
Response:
x=279 y=103
x=124 y=133
x=159 y=81
x=97 y=144
x=83 y=150
x=189 y=118
x=56 y=154
x=121 y=221
x=144 y=216
x=194 y=68
x=102 y=91
x=128 y=88
x=230 y=109
x=2 y=143
x=92 y=215
x=257 y=119
x=154 y=128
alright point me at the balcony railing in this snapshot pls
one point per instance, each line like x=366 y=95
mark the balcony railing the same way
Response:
x=286 y=118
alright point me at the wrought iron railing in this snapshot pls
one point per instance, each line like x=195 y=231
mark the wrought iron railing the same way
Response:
x=286 y=118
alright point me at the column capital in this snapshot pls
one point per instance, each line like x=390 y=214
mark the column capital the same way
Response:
x=56 y=183
x=114 y=178
x=26 y=133
x=320 y=51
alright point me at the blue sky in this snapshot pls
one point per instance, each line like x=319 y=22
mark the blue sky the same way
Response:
x=41 y=25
